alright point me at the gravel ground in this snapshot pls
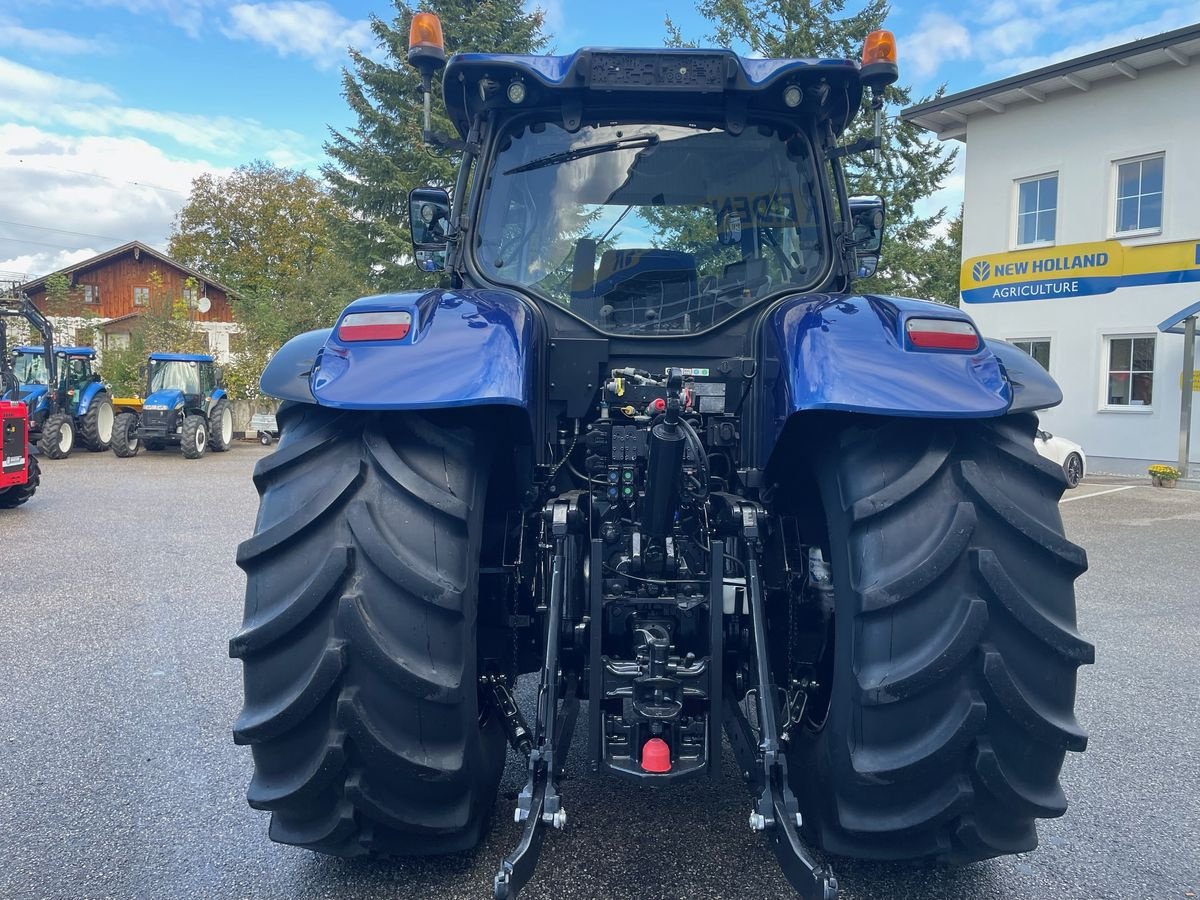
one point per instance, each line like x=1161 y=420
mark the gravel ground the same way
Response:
x=118 y=777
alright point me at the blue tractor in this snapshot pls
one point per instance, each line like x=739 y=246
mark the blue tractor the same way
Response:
x=185 y=406
x=65 y=396
x=649 y=443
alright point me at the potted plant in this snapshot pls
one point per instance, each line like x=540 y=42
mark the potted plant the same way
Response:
x=1163 y=476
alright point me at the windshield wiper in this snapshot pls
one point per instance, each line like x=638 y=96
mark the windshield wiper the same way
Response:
x=629 y=143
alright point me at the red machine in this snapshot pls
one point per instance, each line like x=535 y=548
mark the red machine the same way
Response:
x=19 y=474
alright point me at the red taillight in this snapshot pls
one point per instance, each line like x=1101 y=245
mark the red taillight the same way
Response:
x=375 y=326
x=942 y=334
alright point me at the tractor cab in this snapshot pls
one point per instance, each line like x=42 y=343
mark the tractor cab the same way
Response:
x=75 y=371
x=184 y=404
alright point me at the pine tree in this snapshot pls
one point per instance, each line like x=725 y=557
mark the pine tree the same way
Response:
x=913 y=165
x=379 y=160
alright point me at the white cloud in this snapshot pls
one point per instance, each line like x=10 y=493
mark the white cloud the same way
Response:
x=1166 y=21
x=106 y=189
x=188 y=15
x=44 y=40
x=938 y=39
x=313 y=30
x=39 y=98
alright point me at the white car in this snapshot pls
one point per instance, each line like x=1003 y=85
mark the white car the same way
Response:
x=1067 y=454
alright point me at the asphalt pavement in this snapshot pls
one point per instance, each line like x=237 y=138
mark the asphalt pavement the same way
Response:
x=119 y=778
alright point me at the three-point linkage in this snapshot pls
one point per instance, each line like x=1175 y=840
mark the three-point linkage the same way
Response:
x=539 y=803
x=776 y=810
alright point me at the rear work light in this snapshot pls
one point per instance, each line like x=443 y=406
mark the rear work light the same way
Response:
x=375 y=326
x=942 y=334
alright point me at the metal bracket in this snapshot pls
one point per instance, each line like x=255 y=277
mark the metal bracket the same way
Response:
x=776 y=810
x=539 y=803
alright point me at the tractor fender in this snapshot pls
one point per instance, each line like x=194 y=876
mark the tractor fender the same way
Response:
x=88 y=394
x=218 y=394
x=1032 y=386
x=851 y=353
x=463 y=348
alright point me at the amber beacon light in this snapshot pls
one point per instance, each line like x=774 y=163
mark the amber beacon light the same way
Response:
x=879 y=67
x=427 y=54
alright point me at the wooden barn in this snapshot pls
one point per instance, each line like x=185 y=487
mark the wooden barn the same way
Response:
x=107 y=294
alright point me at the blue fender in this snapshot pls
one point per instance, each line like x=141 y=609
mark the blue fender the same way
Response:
x=87 y=395
x=465 y=348
x=850 y=353
x=218 y=394
x=1032 y=386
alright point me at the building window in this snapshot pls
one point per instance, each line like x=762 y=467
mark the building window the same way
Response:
x=189 y=297
x=91 y=293
x=1130 y=371
x=1037 y=210
x=1140 y=195
x=118 y=340
x=141 y=296
x=1038 y=348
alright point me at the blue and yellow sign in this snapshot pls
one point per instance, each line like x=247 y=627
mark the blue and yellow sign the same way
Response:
x=1076 y=270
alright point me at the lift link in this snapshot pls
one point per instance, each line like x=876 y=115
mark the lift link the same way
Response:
x=776 y=812
x=539 y=803
x=516 y=729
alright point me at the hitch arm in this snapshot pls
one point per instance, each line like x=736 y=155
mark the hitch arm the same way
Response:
x=539 y=803
x=776 y=810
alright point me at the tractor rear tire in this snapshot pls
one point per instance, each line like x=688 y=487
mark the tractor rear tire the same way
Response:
x=58 y=436
x=20 y=493
x=96 y=425
x=193 y=439
x=220 y=426
x=359 y=642
x=125 y=440
x=955 y=647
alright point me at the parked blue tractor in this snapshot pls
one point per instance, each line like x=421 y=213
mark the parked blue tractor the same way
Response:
x=648 y=442
x=65 y=396
x=185 y=406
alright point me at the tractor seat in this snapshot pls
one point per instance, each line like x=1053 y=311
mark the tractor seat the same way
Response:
x=642 y=284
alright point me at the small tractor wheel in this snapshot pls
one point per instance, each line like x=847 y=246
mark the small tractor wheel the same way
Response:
x=125 y=441
x=264 y=438
x=58 y=436
x=193 y=440
x=220 y=426
x=18 y=494
x=96 y=425
x=954 y=649
x=359 y=640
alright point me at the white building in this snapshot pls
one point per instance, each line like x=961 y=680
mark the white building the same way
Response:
x=1081 y=234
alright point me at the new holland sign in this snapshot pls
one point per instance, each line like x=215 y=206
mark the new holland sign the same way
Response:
x=1076 y=270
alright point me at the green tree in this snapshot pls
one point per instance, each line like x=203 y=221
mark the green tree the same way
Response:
x=268 y=233
x=940 y=265
x=378 y=161
x=913 y=165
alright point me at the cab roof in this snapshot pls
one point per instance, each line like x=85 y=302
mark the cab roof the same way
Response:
x=180 y=357
x=679 y=80
x=89 y=352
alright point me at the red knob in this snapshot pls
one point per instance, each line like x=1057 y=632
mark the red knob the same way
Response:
x=656 y=756
x=659 y=405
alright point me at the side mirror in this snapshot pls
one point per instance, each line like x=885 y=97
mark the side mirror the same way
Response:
x=429 y=221
x=218 y=375
x=142 y=370
x=867 y=218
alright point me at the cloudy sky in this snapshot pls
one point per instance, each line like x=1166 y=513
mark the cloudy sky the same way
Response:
x=108 y=108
